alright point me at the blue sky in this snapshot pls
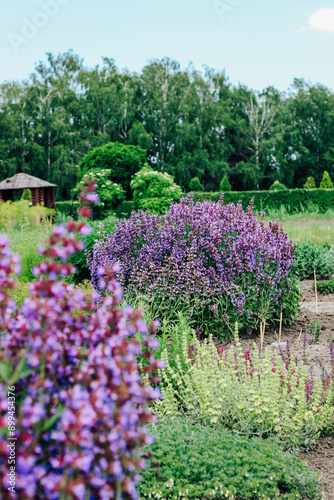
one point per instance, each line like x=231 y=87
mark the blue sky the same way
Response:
x=257 y=42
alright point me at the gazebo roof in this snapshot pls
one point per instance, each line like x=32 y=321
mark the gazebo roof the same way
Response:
x=24 y=181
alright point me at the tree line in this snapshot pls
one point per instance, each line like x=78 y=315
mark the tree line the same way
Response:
x=191 y=123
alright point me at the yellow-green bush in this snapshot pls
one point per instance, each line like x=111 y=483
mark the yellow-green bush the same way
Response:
x=258 y=395
x=18 y=213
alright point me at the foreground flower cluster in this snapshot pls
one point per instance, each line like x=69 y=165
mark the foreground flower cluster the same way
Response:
x=219 y=259
x=81 y=408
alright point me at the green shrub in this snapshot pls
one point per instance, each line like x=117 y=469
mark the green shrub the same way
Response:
x=310 y=183
x=311 y=256
x=224 y=185
x=259 y=395
x=26 y=195
x=197 y=462
x=326 y=182
x=294 y=200
x=79 y=259
x=278 y=186
x=109 y=193
x=326 y=287
x=68 y=208
x=122 y=160
x=154 y=191
x=125 y=209
x=195 y=184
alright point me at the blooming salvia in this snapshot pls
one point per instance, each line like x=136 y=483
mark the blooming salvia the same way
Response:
x=82 y=408
x=219 y=259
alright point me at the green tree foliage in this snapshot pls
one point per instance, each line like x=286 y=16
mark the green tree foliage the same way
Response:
x=277 y=186
x=195 y=184
x=224 y=184
x=122 y=161
x=154 y=191
x=326 y=182
x=191 y=124
x=310 y=183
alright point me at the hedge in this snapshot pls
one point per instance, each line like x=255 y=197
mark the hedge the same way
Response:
x=294 y=200
x=68 y=208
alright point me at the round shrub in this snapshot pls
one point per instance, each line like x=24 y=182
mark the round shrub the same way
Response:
x=122 y=160
x=278 y=186
x=215 y=263
x=197 y=462
x=195 y=184
x=154 y=191
x=81 y=408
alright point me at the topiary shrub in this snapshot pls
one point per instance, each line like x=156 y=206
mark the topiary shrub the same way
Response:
x=81 y=408
x=195 y=184
x=277 y=186
x=312 y=257
x=310 y=183
x=216 y=263
x=198 y=462
x=326 y=182
x=224 y=185
x=26 y=195
x=122 y=160
x=154 y=191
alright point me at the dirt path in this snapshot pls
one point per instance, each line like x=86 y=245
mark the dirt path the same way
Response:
x=320 y=458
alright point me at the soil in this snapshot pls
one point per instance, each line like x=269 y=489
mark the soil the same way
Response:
x=321 y=457
x=302 y=223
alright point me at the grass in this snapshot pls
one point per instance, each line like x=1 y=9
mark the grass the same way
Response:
x=25 y=242
x=322 y=234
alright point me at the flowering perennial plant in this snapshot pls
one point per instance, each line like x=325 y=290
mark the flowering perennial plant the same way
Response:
x=217 y=261
x=249 y=394
x=81 y=407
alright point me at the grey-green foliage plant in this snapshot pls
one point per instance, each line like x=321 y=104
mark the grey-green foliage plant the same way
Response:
x=198 y=462
x=312 y=257
x=154 y=191
x=251 y=395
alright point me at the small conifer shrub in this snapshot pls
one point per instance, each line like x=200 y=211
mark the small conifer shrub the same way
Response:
x=310 y=183
x=224 y=185
x=326 y=182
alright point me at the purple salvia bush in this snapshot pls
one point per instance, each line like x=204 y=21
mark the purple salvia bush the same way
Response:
x=218 y=258
x=81 y=406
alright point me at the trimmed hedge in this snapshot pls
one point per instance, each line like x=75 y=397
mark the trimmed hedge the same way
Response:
x=292 y=199
x=68 y=208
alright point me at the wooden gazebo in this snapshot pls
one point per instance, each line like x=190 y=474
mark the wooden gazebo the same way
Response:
x=42 y=192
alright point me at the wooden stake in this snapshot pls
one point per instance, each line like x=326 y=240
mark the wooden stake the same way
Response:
x=316 y=293
x=280 y=326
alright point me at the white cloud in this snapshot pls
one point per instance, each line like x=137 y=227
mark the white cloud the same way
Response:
x=322 y=20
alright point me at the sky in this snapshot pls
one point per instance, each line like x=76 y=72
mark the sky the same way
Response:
x=256 y=42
